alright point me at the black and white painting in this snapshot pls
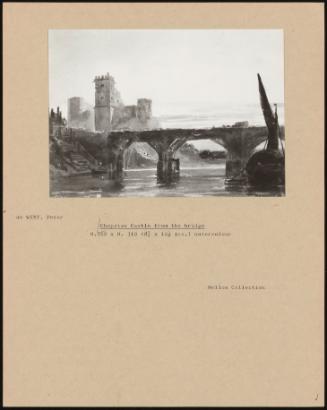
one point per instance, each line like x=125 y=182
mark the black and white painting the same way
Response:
x=160 y=113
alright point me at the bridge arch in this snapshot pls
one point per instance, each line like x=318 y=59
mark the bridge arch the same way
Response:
x=139 y=155
x=200 y=151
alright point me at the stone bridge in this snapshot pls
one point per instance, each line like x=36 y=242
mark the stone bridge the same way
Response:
x=238 y=142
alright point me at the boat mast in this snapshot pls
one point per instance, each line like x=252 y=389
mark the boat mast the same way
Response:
x=278 y=130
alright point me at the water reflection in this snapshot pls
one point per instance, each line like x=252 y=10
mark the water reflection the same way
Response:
x=192 y=182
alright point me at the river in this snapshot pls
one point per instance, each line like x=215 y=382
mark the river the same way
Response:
x=208 y=180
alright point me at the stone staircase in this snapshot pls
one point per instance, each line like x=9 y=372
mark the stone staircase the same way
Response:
x=79 y=162
x=74 y=156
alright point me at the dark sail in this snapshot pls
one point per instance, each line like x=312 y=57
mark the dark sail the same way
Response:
x=270 y=119
x=266 y=167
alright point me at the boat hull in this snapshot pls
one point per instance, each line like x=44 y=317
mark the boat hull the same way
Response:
x=266 y=168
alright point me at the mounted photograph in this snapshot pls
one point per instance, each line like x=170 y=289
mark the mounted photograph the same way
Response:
x=166 y=113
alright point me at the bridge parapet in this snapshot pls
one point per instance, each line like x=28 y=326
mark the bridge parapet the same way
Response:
x=191 y=134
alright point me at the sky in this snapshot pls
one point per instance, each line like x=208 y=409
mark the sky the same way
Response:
x=168 y=66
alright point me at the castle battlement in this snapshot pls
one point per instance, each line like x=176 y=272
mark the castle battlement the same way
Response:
x=103 y=77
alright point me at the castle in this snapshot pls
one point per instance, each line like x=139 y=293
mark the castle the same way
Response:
x=110 y=113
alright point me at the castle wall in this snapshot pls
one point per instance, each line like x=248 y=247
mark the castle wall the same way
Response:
x=144 y=109
x=122 y=114
x=103 y=118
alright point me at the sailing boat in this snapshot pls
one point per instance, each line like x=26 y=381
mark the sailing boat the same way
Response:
x=267 y=166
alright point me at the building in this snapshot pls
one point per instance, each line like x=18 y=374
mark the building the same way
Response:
x=80 y=114
x=107 y=98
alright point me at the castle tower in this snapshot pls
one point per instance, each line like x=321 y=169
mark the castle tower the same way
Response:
x=107 y=98
x=80 y=114
x=144 y=109
x=74 y=109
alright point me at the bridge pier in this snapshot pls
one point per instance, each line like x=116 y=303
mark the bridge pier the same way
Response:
x=116 y=158
x=234 y=166
x=115 y=167
x=239 y=144
x=167 y=166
